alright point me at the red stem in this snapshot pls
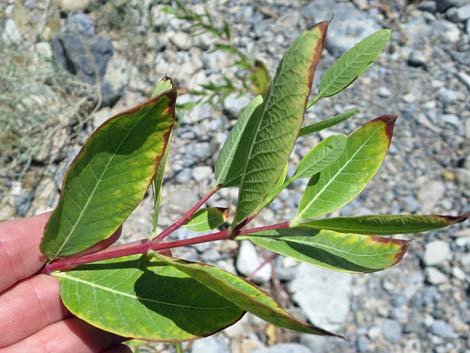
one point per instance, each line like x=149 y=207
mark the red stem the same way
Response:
x=138 y=247
x=281 y=225
x=142 y=247
x=186 y=216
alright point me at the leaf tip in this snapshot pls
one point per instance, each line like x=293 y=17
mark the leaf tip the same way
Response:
x=403 y=245
x=450 y=220
x=389 y=121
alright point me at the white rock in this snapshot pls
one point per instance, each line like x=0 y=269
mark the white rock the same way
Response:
x=436 y=252
x=209 y=345
x=323 y=295
x=435 y=276
x=284 y=348
x=458 y=273
x=117 y=73
x=11 y=34
x=74 y=5
x=181 y=40
x=234 y=104
x=248 y=261
x=430 y=193
x=202 y=173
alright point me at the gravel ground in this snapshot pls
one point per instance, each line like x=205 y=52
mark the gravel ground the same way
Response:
x=422 y=304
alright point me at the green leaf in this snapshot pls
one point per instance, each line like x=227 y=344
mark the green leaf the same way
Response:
x=233 y=153
x=280 y=185
x=327 y=123
x=244 y=294
x=161 y=87
x=260 y=78
x=157 y=184
x=355 y=253
x=207 y=219
x=352 y=64
x=135 y=297
x=343 y=180
x=164 y=85
x=109 y=177
x=277 y=124
x=386 y=224
x=319 y=158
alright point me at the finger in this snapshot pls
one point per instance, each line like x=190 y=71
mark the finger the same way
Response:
x=28 y=307
x=121 y=348
x=70 y=335
x=19 y=249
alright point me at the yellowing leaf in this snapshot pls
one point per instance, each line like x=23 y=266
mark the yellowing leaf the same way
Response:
x=109 y=177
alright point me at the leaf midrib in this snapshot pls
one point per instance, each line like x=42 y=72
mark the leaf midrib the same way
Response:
x=98 y=181
x=116 y=292
x=255 y=135
x=307 y=206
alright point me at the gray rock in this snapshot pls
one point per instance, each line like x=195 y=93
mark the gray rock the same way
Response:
x=81 y=24
x=248 y=261
x=184 y=176
x=234 y=104
x=362 y=344
x=202 y=173
x=435 y=276
x=451 y=119
x=391 y=330
x=201 y=151
x=384 y=92
x=442 y=329
x=316 y=344
x=427 y=5
x=436 y=253
x=452 y=14
x=349 y=24
x=198 y=113
x=463 y=13
x=443 y=5
x=323 y=295
x=78 y=50
x=23 y=203
x=445 y=30
x=447 y=96
x=209 y=345
x=115 y=80
x=284 y=348
x=417 y=59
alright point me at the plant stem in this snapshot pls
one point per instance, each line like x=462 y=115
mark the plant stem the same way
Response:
x=179 y=347
x=264 y=263
x=143 y=246
x=186 y=216
x=281 y=225
x=313 y=101
x=139 y=247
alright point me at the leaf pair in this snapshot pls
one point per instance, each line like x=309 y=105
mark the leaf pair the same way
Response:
x=165 y=299
x=258 y=148
x=345 y=243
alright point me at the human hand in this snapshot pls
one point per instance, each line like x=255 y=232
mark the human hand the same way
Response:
x=32 y=316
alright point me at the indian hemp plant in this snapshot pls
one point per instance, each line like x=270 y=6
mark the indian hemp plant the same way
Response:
x=138 y=290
